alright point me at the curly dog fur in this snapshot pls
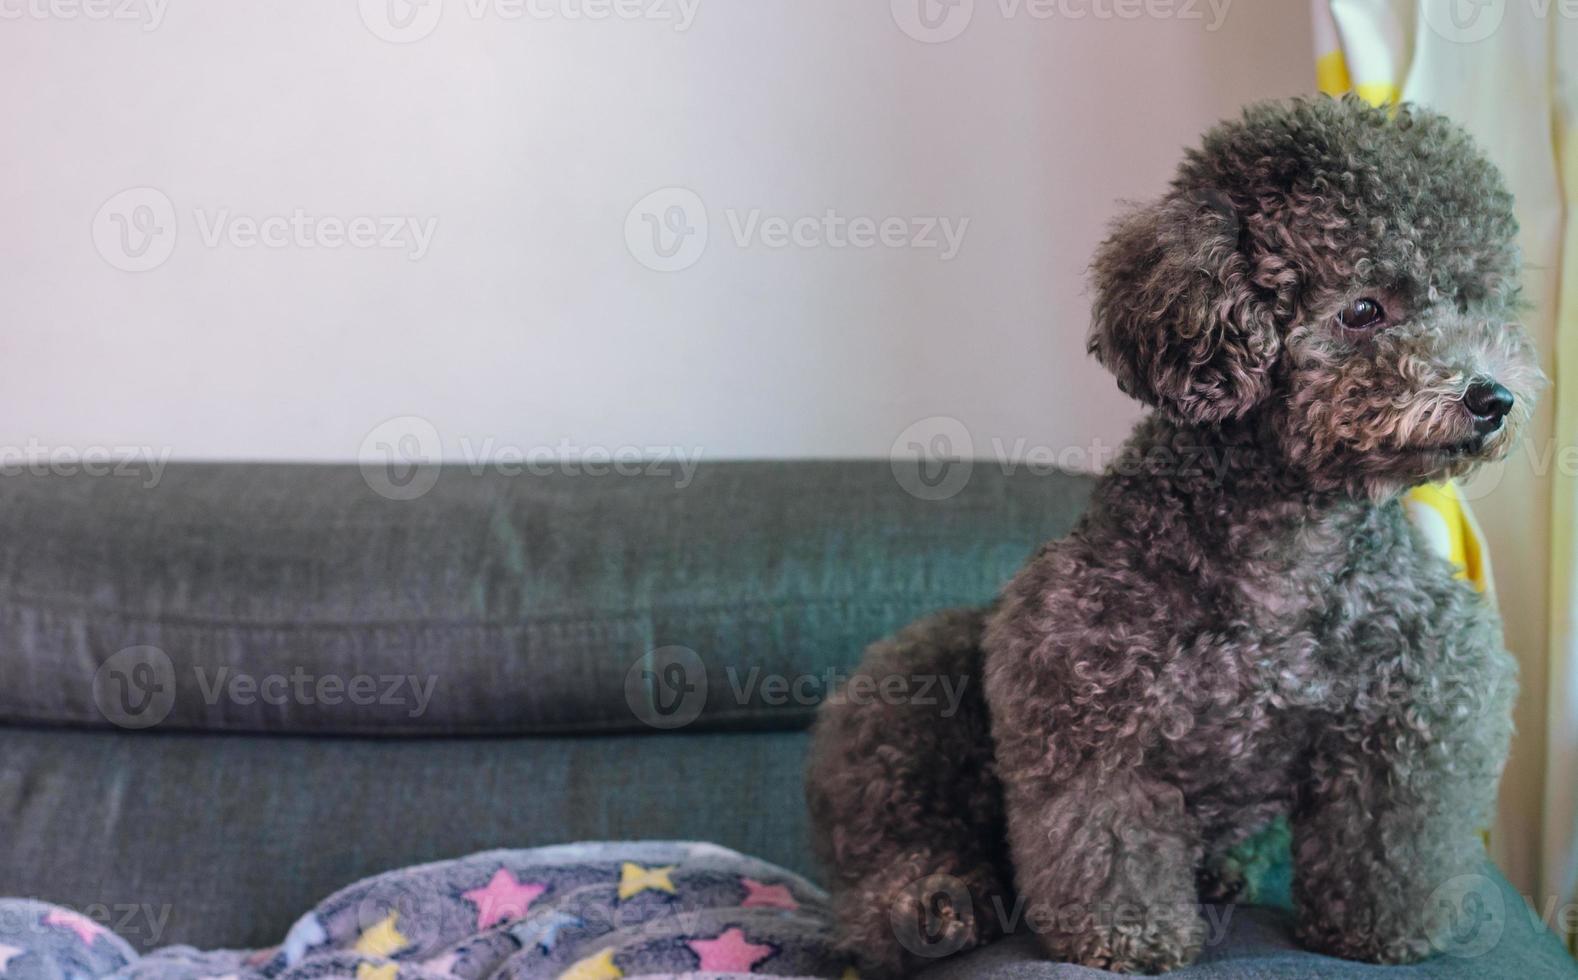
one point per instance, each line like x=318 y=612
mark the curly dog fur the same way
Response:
x=1244 y=624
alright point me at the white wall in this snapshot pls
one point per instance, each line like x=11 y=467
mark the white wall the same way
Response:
x=528 y=321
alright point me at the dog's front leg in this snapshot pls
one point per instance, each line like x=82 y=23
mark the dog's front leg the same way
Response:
x=1391 y=813
x=1105 y=868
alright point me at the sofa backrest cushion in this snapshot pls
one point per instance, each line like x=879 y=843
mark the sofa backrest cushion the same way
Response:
x=312 y=599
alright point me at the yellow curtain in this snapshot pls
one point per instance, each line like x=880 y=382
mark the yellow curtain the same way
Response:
x=1509 y=72
x=1561 y=786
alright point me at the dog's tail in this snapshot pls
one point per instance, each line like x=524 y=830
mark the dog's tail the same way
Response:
x=906 y=810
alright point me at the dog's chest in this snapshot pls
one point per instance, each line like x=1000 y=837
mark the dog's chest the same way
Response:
x=1284 y=637
x=1319 y=623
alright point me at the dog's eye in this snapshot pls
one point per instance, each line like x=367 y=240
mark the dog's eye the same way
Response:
x=1362 y=314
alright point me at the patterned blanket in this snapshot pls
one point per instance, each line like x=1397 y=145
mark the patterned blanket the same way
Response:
x=574 y=912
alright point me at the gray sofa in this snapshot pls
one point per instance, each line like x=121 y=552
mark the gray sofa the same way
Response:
x=227 y=695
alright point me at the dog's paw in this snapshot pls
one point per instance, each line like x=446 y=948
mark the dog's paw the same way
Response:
x=893 y=929
x=934 y=917
x=1153 y=954
x=1365 y=947
x=1145 y=941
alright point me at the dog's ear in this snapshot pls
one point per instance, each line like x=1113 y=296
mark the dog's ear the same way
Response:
x=1177 y=318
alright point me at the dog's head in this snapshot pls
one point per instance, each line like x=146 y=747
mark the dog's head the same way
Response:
x=1342 y=277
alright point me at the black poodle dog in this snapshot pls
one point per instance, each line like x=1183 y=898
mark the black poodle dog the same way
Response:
x=1322 y=312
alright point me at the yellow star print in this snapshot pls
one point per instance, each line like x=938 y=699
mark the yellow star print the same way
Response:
x=383 y=939
x=634 y=879
x=366 y=971
x=598 y=966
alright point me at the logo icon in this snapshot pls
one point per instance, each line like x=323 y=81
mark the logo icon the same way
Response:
x=1484 y=480
x=932 y=918
x=135 y=230
x=401 y=21
x=933 y=21
x=1471 y=915
x=135 y=688
x=400 y=459
x=667 y=230
x=1464 y=21
x=932 y=459
x=389 y=903
x=667 y=688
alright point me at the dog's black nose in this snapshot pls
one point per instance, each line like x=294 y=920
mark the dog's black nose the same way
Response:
x=1489 y=402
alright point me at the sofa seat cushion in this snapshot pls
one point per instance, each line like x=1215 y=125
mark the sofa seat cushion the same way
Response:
x=1497 y=934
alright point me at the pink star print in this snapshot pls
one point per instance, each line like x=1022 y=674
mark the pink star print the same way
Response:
x=86 y=929
x=729 y=953
x=760 y=896
x=504 y=899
